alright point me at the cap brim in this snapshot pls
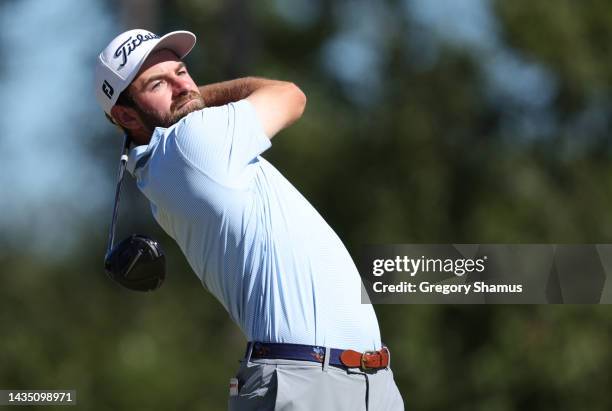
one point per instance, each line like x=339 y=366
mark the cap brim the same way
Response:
x=181 y=42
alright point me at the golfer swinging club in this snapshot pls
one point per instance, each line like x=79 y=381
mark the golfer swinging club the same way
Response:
x=253 y=240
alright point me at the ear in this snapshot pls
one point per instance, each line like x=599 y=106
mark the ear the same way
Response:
x=126 y=117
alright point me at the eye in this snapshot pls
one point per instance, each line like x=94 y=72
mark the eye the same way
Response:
x=181 y=72
x=156 y=85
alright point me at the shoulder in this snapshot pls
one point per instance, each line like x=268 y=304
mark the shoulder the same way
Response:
x=217 y=125
x=242 y=106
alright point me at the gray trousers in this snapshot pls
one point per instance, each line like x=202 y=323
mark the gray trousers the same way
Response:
x=287 y=385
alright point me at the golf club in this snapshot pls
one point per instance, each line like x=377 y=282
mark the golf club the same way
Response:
x=138 y=262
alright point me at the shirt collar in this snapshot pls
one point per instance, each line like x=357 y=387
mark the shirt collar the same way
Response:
x=139 y=155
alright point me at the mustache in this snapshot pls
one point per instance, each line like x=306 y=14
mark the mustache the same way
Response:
x=191 y=95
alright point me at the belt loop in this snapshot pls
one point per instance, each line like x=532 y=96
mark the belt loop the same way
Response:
x=326 y=359
x=249 y=351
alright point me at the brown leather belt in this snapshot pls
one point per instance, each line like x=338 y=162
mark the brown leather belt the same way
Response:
x=369 y=360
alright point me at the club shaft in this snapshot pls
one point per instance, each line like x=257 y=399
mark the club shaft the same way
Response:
x=122 y=165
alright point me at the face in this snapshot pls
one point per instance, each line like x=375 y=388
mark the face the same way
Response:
x=164 y=92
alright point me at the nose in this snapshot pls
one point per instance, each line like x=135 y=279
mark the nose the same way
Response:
x=180 y=85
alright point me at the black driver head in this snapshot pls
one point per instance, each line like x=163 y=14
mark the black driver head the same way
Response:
x=138 y=263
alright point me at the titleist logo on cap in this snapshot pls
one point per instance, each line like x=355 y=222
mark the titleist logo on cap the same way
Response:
x=127 y=47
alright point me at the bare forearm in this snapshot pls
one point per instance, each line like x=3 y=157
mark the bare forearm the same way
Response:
x=218 y=94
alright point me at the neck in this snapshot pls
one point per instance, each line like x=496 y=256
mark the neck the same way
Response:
x=141 y=136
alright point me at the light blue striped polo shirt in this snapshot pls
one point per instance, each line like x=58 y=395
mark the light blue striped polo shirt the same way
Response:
x=254 y=241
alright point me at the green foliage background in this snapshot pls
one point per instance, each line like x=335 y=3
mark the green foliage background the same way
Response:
x=429 y=160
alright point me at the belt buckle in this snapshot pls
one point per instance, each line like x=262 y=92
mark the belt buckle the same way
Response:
x=364 y=367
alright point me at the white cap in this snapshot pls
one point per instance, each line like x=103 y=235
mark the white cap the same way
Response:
x=121 y=60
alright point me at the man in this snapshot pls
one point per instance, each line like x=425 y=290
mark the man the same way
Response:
x=263 y=251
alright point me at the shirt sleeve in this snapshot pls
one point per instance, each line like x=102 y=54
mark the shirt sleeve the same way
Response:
x=222 y=141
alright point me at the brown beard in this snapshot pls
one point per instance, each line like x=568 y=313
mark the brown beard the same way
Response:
x=152 y=119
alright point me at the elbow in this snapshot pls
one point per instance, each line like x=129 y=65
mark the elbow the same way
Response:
x=299 y=99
